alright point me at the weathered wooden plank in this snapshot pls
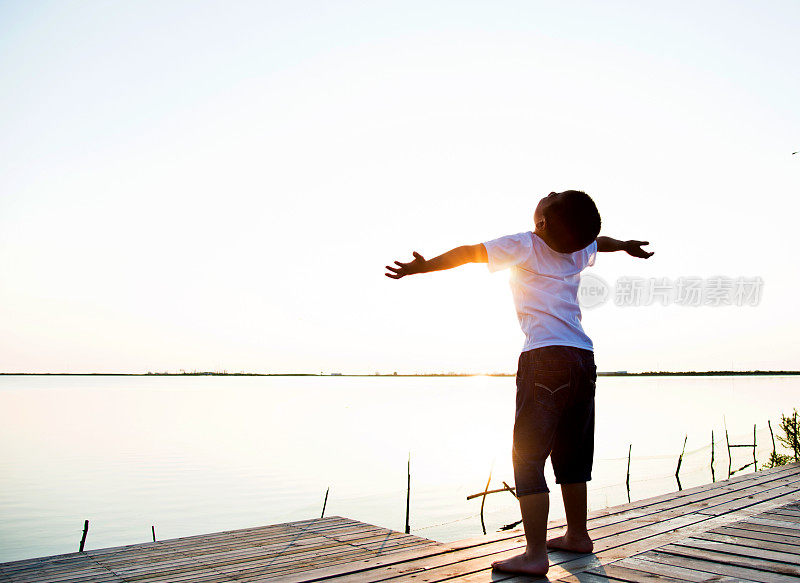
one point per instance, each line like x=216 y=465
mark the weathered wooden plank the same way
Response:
x=245 y=536
x=697 y=493
x=788 y=510
x=304 y=550
x=81 y=568
x=343 y=553
x=256 y=565
x=734 y=560
x=262 y=574
x=300 y=544
x=758 y=477
x=469 y=551
x=194 y=542
x=411 y=564
x=585 y=577
x=251 y=535
x=751 y=498
x=479 y=576
x=755 y=536
x=762 y=543
x=708 y=493
x=748 y=524
x=624 y=573
x=228 y=562
x=635 y=547
x=371 y=545
x=713 y=565
x=181 y=565
x=194 y=577
x=739 y=550
x=87 y=576
x=782 y=516
x=477 y=569
x=793 y=526
x=169 y=572
x=683 y=573
x=316 y=544
x=87 y=560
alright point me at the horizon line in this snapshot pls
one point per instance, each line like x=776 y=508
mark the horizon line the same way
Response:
x=756 y=372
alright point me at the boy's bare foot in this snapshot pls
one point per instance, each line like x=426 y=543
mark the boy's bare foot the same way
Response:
x=523 y=563
x=568 y=542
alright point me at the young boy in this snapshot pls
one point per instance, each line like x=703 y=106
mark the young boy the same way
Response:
x=556 y=373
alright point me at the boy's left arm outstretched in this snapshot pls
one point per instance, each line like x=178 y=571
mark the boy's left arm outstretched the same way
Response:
x=633 y=248
x=449 y=260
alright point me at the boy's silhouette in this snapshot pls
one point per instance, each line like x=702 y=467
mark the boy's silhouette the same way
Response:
x=556 y=373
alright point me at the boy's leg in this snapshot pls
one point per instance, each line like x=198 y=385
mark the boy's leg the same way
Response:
x=572 y=458
x=533 y=561
x=543 y=390
x=577 y=537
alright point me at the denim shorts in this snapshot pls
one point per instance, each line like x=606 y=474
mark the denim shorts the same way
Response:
x=554 y=417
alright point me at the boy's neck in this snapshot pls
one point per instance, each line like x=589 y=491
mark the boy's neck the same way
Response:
x=544 y=236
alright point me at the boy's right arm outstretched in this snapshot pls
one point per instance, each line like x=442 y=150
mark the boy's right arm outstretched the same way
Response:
x=453 y=258
x=633 y=248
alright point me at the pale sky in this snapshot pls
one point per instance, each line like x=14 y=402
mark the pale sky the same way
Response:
x=218 y=185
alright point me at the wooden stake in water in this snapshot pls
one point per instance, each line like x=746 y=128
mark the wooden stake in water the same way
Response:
x=483 y=500
x=753 y=445
x=510 y=489
x=680 y=459
x=408 y=496
x=505 y=488
x=153 y=528
x=713 y=479
x=728 y=444
x=83 y=537
x=628 y=476
x=325 y=503
x=772 y=436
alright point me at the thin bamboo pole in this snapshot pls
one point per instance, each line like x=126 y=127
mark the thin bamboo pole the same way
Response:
x=772 y=436
x=408 y=497
x=713 y=478
x=680 y=460
x=83 y=536
x=755 y=460
x=628 y=474
x=728 y=444
x=483 y=501
x=325 y=503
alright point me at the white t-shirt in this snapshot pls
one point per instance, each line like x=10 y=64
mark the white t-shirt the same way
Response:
x=544 y=284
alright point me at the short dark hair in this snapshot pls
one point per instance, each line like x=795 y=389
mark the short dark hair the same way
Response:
x=573 y=222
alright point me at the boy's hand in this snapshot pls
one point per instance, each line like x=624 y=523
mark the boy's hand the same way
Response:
x=410 y=268
x=634 y=248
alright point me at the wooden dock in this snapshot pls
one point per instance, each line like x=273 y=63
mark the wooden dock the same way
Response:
x=743 y=529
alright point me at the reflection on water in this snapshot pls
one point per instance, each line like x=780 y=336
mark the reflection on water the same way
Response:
x=201 y=454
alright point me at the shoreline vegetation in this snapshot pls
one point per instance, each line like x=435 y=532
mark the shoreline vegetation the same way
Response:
x=619 y=373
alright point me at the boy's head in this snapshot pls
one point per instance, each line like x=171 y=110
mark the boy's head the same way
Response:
x=568 y=221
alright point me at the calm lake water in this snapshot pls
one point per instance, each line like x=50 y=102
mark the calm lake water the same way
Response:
x=194 y=455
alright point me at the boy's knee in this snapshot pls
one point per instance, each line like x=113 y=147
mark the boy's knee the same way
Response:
x=529 y=477
x=578 y=478
x=528 y=489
